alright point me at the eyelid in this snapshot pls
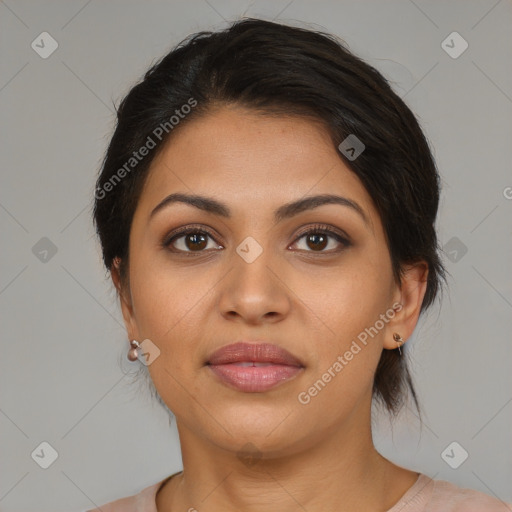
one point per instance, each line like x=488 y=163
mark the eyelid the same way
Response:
x=184 y=230
x=324 y=228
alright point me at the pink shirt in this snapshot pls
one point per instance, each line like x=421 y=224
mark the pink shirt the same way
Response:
x=426 y=495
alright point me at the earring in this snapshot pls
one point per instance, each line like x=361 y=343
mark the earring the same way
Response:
x=133 y=353
x=399 y=341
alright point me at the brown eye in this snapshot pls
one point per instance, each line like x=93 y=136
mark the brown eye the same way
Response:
x=191 y=240
x=317 y=239
x=196 y=241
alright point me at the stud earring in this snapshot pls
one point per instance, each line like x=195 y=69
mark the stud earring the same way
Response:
x=399 y=341
x=133 y=353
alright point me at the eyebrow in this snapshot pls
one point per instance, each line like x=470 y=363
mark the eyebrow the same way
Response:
x=288 y=210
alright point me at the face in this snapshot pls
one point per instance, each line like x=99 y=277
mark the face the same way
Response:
x=308 y=278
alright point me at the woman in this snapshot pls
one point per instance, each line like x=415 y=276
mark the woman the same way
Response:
x=266 y=209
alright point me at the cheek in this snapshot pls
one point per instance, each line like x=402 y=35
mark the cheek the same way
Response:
x=349 y=297
x=171 y=308
x=345 y=352
x=165 y=297
x=345 y=306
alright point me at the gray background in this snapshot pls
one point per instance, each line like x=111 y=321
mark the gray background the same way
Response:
x=63 y=378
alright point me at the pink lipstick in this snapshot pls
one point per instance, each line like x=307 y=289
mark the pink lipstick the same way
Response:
x=253 y=367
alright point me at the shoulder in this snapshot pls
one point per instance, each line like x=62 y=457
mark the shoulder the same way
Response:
x=428 y=495
x=451 y=498
x=144 y=501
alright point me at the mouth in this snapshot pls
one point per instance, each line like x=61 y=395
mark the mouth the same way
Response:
x=253 y=367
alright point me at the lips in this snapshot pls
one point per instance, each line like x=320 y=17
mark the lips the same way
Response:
x=253 y=367
x=253 y=352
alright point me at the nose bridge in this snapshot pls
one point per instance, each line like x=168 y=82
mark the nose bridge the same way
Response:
x=254 y=288
x=250 y=250
x=251 y=262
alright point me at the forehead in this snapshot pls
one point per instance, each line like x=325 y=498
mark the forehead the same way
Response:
x=252 y=160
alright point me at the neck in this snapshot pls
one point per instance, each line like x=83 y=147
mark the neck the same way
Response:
x=343 y=471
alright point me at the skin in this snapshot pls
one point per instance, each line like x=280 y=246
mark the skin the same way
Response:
x=313 y=300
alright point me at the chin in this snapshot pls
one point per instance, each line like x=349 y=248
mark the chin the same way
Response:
x=268 y=427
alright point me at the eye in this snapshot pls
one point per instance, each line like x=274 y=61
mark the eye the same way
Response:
x=318 y=238
x=198 y=239
x=191 y=239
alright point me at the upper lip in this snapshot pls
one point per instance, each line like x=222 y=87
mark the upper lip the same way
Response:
x=243 y=351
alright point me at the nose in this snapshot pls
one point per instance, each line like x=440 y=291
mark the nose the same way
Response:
x=255 y=292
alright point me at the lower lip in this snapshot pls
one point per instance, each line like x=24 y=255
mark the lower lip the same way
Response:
x=254 y=379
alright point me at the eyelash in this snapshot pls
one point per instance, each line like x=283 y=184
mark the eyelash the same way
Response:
x=316 y=229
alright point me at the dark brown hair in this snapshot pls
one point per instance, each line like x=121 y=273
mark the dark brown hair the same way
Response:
x=284 y=70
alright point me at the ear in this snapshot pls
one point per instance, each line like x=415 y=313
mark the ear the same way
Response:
x=123 y=291
x=408 y=299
